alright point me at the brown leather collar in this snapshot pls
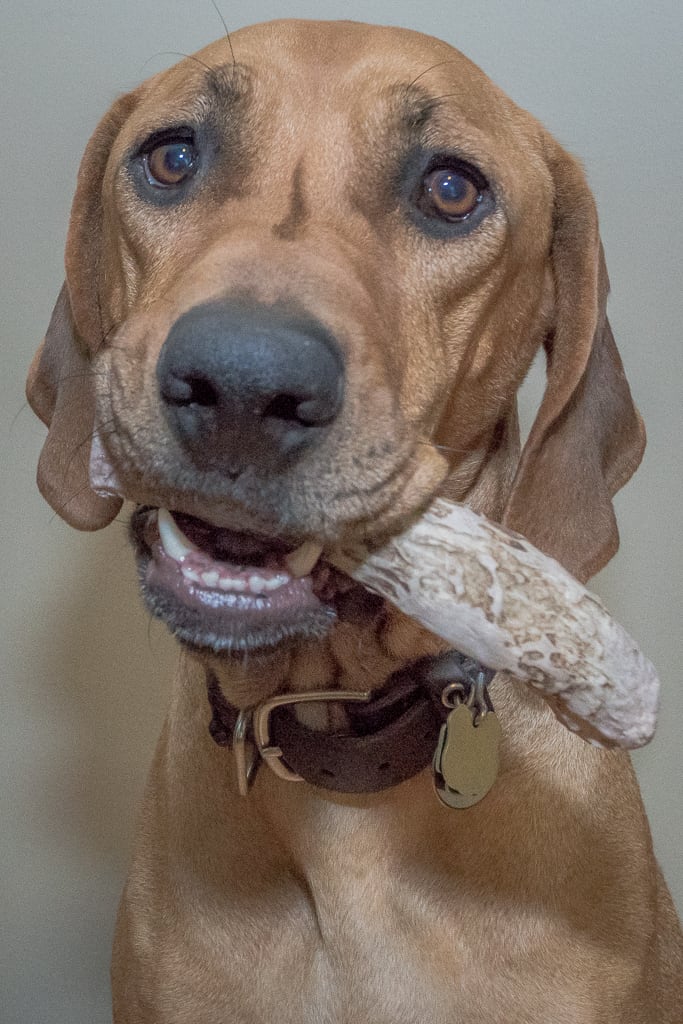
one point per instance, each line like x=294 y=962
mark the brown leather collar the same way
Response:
x=390 y=737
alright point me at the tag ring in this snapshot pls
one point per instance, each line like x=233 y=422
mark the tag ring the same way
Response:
x=475 y=697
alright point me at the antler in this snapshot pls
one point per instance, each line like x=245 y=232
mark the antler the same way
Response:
x=496 y=598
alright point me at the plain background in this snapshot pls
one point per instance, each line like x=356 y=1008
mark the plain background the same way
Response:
x=84 y=673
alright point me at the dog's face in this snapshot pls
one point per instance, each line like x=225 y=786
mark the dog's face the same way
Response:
x=303 y=286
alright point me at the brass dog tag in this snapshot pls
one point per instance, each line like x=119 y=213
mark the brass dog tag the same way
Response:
x=466 y=757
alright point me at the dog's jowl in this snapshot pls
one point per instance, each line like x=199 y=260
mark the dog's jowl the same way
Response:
x=305 y=276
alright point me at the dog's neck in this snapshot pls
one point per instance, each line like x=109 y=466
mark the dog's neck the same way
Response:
x=299 y=826
x=359 y=653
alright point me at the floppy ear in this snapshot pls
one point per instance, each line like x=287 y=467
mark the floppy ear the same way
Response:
x=588 y=437
x=60 y=387
x=60 y=390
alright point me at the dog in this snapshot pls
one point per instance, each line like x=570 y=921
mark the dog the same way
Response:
x=307 y=270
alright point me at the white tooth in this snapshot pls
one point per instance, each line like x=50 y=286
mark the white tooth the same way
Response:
x=191 y=574
x=257 y=584
x=277 y=581
x=301 y=561
x=174 y=542
x=210 y=578
x=226 y=583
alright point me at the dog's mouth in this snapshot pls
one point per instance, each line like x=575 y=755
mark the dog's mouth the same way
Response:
x=227 y=590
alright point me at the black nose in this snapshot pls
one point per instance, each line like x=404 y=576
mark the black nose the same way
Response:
x=248 y=384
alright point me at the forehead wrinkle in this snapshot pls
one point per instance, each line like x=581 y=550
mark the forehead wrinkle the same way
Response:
x=294 y=222
x=177 y=98
x=439 y=121
x=474 y=108
x=427 y=119
x=418 y=118
x=413 y=109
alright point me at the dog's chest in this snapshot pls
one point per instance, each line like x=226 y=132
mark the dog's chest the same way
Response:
x=370 y=933
x=370 y=949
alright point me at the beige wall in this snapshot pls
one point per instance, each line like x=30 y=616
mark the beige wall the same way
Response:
x=84 y=677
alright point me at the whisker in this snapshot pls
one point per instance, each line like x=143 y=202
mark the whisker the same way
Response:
x=16 y=416
x=446 y=96
x=100 y=317
x=75 y=452
x=88 y=440
x=105 y=334
x=76 y=494
x=179 y=53
x=227 y=34
x=150 y=620
x=445 y=448
x=80 y=375
x=426 y=71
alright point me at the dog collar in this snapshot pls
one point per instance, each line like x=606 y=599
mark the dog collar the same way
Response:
x=392 y=733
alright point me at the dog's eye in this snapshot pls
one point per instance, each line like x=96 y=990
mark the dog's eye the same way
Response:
x=449 y=193
x=170 y=163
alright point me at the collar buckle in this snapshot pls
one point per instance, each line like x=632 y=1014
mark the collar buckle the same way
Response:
x=257 y=721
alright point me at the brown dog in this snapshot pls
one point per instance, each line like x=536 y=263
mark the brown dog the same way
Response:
x=306 y=274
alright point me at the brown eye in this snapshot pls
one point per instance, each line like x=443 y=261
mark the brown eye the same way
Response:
x=449 y=193
x=170 y=164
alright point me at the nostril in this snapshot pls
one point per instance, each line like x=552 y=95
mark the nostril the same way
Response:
x=318 y=412
x=283 y=407
x=181 y=391
x=303 y=410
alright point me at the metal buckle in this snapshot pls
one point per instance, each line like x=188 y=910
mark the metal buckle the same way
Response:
x=259 y=719
x=245 y=771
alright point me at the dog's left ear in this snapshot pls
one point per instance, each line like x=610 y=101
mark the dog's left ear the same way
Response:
x=60 y=387
x=588 y=438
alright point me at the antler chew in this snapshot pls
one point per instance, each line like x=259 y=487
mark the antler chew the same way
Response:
x=496 y=598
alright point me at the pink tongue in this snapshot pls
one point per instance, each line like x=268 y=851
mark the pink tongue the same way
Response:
x=225 y=545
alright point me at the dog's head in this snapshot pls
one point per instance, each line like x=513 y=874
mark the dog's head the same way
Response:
x=303 y=287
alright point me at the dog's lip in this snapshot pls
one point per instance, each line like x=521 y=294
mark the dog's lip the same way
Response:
x=225 y=605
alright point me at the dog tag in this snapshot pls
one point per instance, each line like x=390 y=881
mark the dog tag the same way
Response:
x=466 y=757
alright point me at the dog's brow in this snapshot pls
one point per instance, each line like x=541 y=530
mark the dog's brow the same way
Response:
x=227 y=82
x=217 y=87
x=414 y=108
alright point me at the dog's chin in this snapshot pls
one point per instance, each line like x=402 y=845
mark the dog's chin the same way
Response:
x=230 y=592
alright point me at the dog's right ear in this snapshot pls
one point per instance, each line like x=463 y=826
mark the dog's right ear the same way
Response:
x=61 y=391
x=61 y=380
